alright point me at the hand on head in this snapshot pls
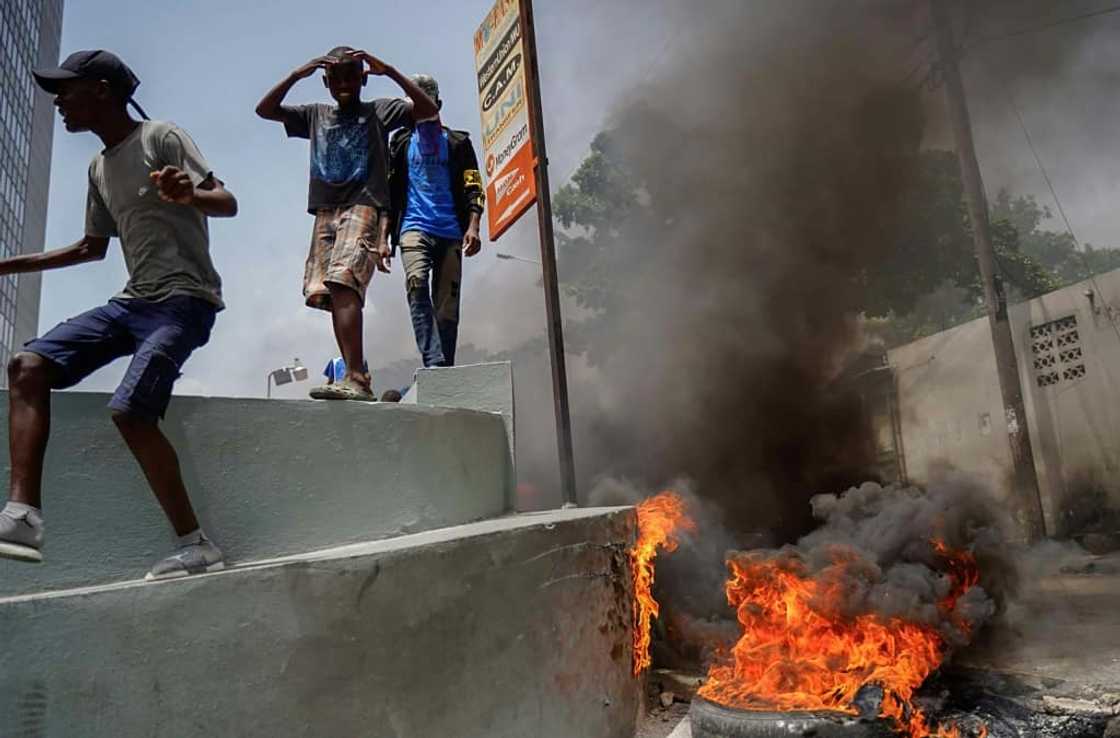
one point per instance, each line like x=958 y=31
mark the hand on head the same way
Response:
x=319 y=62
x=373 y=65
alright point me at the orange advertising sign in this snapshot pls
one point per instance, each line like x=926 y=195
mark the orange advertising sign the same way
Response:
x=507 y=144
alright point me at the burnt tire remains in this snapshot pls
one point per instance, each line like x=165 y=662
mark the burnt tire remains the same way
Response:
x=713 y=721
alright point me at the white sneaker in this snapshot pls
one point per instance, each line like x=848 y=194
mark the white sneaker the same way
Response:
x=21 y=536
x=197 y=558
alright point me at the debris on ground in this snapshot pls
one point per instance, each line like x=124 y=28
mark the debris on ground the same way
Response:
x=682 y=684
x=661 y=722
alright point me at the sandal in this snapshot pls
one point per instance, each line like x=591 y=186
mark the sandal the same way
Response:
x=343 y=391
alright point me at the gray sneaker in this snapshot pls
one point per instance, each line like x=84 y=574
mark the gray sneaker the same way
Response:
x=197 y=558
x=21 y=536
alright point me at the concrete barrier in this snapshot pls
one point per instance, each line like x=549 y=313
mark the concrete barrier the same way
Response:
x=510 y=628
x=487 y=387
x=268 y=478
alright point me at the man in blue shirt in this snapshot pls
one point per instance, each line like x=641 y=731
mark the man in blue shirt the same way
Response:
x=437 y=198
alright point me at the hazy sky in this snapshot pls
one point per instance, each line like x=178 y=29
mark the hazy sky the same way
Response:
x=1065 y=81
x=204 y=64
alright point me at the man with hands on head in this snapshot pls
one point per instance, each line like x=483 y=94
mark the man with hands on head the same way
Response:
x=348 y=192
x=151 y=188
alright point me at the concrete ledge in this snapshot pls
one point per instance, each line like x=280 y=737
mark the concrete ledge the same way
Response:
x=487 y=387
x=268 y=478
x=503 y=629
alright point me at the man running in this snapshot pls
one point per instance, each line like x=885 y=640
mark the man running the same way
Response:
x=151 y=188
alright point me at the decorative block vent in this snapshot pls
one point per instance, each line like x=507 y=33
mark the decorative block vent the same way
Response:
x=1058 y=356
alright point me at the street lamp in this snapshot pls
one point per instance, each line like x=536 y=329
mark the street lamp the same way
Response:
x=297 y=372
x=511 y=257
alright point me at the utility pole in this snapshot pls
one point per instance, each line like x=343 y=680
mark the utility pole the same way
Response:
x=1025 y=478
x=548 y=259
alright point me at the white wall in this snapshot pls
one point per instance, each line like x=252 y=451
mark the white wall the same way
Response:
x=952 y=414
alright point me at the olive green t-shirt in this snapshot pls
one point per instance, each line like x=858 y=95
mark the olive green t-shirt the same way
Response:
x=166 y=245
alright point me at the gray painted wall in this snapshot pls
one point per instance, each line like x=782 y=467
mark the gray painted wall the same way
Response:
x=504 y=629
x=487 y=387
x=952 y=414
x=268 y=478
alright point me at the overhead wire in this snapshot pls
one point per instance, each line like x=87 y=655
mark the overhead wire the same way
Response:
x=1077 y=247
x=1045 y=26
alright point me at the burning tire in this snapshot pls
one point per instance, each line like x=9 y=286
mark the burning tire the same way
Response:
x=712 y=721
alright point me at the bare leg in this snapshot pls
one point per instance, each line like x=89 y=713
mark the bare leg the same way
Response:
x=29 y=425
x=161 y=466
x=346 y=314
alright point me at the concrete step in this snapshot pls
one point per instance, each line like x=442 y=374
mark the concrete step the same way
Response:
x=268 y=478
x=506 y=628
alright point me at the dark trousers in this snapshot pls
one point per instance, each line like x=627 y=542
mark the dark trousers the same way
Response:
x=433 y=269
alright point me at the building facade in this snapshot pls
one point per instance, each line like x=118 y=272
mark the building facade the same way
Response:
x=950 y=416
x=30 y=33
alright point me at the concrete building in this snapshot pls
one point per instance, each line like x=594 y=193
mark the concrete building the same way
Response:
x=30 y=32
x=939 y=409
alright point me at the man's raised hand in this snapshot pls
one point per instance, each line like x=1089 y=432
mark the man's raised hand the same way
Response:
x=174 y=185
x=308 y=69
x=373 y=65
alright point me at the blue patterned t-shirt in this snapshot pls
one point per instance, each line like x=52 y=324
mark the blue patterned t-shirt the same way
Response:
x=431 y=205
x=348 y=150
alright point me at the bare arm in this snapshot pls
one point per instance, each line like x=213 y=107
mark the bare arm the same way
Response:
x=384 y=253
x=475 y=197
x=269 y=106
x=213 y=199
x=472 y=242
x=211 y=196
x=422 y=106
x=89 y=248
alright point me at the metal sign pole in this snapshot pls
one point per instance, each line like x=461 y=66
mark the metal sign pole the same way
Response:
x=548 y=259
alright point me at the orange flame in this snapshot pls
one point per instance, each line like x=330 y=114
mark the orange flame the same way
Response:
x=659 y=519
x=799 y=652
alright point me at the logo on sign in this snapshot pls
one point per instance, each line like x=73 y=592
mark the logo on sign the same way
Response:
x=493 y=19
x=498 y=159
x=493 y=124
x=506 y=184
x=508 y=43
x=507 y=75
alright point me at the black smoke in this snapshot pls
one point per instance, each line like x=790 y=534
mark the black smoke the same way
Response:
x=770 y=160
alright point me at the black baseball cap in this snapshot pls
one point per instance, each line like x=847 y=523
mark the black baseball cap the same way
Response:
x=96 y=64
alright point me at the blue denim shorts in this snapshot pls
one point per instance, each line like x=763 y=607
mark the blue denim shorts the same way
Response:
x=158 y=335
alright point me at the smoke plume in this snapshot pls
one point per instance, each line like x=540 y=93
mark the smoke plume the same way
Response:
x=774 y=151
x=770 y=159
x=894 y=570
